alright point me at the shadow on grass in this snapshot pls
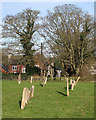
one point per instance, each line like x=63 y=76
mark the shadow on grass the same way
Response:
x=41 y=85
x=20 y=104
x=70 y=87
x=61 y=93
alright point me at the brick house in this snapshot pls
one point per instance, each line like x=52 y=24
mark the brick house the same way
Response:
x=12 y=68
x=16 y=69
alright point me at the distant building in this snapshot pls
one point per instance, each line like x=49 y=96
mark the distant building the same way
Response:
x=16 y=69
x=12 y=68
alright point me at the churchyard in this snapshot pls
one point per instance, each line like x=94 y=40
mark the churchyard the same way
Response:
x=49 y=101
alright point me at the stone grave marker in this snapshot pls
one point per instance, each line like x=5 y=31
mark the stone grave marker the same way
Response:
x=78 y=78
x=45 y=81
x=72 y=86
x=19 y=78
x=70 y=81
x=32 y=91
x=25 y=97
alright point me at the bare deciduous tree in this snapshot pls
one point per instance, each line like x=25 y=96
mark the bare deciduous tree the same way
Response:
x=69 y=33
x=22 y=26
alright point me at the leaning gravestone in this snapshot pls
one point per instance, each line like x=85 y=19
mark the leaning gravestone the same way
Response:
x=25 y=97
x=67 y=87
x=78 y=78
x=45 y=81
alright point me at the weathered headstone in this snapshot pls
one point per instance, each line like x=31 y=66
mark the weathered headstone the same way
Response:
x=78 y=78
x=72 y=86
x=70 y=81
x=19 y=79
x=25 y=97
x=45 y=81
x=67 y=88
x=28 y=97
x=31 y=79
x=32 y=91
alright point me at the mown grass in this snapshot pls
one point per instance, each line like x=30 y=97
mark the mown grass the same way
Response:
x=49 y=101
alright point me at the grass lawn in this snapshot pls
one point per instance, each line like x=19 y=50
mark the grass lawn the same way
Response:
x=49 y=101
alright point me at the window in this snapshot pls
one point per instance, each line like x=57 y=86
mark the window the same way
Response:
x=14 y=68
x=23 y=70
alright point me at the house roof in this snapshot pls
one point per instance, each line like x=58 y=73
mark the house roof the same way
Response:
x=5 y=67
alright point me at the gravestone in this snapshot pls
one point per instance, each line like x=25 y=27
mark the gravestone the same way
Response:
x=19 y=78
x=70 y=81
x=78 y=78
x=67 y=87
x=72 y=86
x=45 y=81
x=25 y=97
x=32 y=91
x=28 y=96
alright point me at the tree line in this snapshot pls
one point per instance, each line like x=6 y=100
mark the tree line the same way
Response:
x=67 y=31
